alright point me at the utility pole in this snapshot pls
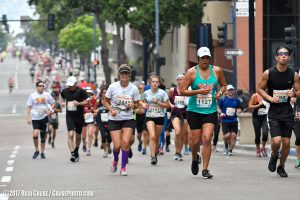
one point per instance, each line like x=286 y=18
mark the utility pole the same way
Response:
x=95 y=51
x=157 y=37
x=252 y=81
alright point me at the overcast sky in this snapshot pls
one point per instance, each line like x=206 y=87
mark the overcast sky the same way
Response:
x=13 y=10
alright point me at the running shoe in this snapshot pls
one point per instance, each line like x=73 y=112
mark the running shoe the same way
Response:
x=140 y=146
x=35 y=155
x=199 y=158
x=130 y=153
x=114 y=166
x=88 y=152
x=167 y=148
x=272 y=163
x=144 y=151
x=195 y=167
x=186 y=151
x=258 y=153
x=43 y=156
x=297 y=165
x=225 y=152
x=52 y=144
x=153 y=160
x=180 y=157
x=73 y=158
x=161 y=151
x=84 y=147
x=206 y=174
x=264 y=152
x=123 y=172
x=281 y=172
x=215 y=149
x=105 y=154
x=230 y=152
x=176 y=156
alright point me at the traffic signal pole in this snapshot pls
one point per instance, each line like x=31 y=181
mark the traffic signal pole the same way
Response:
x=252 y=80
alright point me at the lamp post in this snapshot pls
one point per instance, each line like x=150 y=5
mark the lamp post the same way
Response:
x=157 y=37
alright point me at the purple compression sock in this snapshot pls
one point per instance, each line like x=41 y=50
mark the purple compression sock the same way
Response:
x=116 y=155
x=124 y=158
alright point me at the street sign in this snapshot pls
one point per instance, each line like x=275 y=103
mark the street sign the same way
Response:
x=233 y=52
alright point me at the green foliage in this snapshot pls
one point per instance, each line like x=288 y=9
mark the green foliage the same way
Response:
x=79 y=36
x=3 y=40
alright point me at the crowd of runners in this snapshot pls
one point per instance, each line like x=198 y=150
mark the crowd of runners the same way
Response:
x=194 y=110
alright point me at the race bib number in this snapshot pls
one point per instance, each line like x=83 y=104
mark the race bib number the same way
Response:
x=262 y=111
x=39 y=111
x=88 y=117
x=179 y=102
x=104 y=117
x=71 y=106
x=281 y=94
x=154 y=111
x=204 y=101
x=230 y=111
x=123 y=101
x=53 y=116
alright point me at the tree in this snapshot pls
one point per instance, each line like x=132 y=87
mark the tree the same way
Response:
x=3 y=40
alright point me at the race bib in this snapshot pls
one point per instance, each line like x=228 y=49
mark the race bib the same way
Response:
x=204 y=101
x=123 y=101
x=71 y=106
x=88 y=117
x=281 y=94
x=39 y=111
x=154 y=111
x=53 y=116
x=179 y=102
x=262 y=111
x=230 y=111
x=104 y=117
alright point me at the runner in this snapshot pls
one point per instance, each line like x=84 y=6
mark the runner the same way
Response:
x=120 y=98
x=260 y=124
x=39 y=107
x=178 y=118
x=88 y=111
x=202 y=106
x=74 y=98
x=53 y=121
x=230 y=106
x=102 y=119
x=155 y=101
x=279 y=82
x=297 y=130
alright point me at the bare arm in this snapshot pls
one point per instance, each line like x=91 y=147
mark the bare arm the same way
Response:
x=29 y=115
x=252 y=102
x=261 y=86
x=165 y=104
x=297 y=85
x=106 y=103
x=170 y=94
x=222 y=82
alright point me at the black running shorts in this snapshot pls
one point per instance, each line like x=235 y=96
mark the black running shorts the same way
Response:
x=40 y=124
x=229 y=127
x=196 y=120
x=118 y=125
x=75 y=124
x=281 y=128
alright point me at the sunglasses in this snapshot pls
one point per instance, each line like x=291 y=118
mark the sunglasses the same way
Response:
x=41 y=86
x=124 y=73
x=283 y=54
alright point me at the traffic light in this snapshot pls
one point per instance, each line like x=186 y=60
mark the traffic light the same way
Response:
x=4 y=21
x=222 y=34
x=51 y=22
x=290 y=34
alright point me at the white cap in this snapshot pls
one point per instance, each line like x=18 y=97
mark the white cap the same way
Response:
x=179 y=76
x=230 y=87
x=203 y=51
x=71 y=81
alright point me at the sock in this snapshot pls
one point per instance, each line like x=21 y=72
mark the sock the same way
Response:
x=116 y=155
x=226 y=145
x=76 y=150
x=124 y=158
x=168 y=140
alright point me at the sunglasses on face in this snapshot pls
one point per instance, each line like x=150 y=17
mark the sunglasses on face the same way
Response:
x=41 y=86
x=283 y=54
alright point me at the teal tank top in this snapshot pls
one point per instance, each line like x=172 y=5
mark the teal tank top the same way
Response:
x=204 y=104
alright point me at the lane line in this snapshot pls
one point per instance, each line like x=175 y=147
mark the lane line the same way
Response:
x=12 y=156
x=15 y=152
x=10 y=162
x=17 y=147
x=6 y=179
x=14 y=109
x=9 y=169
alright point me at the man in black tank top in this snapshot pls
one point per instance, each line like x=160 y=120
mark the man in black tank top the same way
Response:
x=281 y=83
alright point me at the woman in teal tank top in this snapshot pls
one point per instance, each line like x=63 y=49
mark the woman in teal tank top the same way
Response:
x=202 y=106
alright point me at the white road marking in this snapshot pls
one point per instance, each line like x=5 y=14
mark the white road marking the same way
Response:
x=3 y=196
x=9 y=169
x=10 y=162
x=15 y=152
x=12 y=156
x=6 y=179
x=14 y=109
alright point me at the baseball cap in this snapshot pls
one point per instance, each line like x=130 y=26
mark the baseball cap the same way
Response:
x=71 y=81
x=230 y=87
x=89 y=90
x=124 y=68
x=203 y=51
